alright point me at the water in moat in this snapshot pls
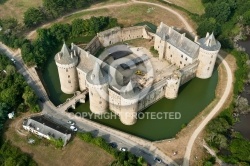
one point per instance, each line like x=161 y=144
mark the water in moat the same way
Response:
x=243 y=125
x=193 y=97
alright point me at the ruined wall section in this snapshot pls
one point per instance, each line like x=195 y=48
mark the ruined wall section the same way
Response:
x=189 y=72
x=93 y=46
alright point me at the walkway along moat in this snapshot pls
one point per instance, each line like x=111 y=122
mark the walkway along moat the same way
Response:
x=193 y=97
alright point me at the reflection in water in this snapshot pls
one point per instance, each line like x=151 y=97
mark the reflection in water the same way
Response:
x=243 y=125
x=245 y=44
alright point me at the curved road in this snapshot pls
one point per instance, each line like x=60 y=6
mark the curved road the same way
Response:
x=190 y=29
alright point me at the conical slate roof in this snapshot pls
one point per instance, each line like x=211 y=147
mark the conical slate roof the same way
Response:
x=209 y=43
x=65 y=56
x=65 y=50
x=97 y=76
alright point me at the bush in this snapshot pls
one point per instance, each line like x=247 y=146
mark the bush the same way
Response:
x=58 y=143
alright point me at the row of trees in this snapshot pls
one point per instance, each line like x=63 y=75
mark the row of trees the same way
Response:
x=15 y=94
x=122 y=158
x=48 y=40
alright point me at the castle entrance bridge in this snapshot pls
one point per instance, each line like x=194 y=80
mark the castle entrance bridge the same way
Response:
x=71 y=102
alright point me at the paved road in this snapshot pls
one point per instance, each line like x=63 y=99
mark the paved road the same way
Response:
x=82 y=126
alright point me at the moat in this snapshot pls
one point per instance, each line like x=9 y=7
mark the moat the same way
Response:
x=193 y=97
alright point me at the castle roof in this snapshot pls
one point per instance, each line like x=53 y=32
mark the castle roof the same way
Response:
x=178 y=40
x=97 y=76
x=47 y=127
x=66 y=56
x=209 y=43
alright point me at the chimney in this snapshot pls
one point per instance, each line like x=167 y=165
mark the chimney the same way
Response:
x=72 y=46
x=87 y=54
x=74 y=52
x=182 y=36
x=196 y=39
x=207 y=34
x=170 y=29
x=71 y=55
x=59 y=56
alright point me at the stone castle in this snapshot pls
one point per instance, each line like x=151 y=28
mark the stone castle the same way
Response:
x=127 y=79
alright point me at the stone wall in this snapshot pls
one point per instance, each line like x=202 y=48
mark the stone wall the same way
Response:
x=189 y=72
x=98 y=98
x=207 y=61
x=116 y=35
x=82 y=79
x=68 y=78
x=173 y=84
x=177 y=57
x=93 y=46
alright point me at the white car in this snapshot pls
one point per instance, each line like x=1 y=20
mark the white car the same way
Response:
x=71 y=122
x=123 y=149
x=13 y=60
x=73 y=128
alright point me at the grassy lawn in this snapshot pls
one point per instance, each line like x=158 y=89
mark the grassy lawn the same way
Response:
x=131 y=15
x=194 y=6
x=77 y=152
x=16 y=8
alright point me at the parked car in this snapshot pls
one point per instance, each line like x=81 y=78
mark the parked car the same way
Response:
x=73 y=128
x=158 y=160
x=113 y=145
x=13 y=60
x=123 y=149
x=71 y=122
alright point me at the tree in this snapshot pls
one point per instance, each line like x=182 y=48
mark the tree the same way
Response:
x=27 y=54
x=61 y=31
x=33 y=17
x=4 y=109
x=219 y=10
x=208 y=25
x=77 y=27
x=246 y=18
x=10 y=69
x=30 y=99
x=240 y=149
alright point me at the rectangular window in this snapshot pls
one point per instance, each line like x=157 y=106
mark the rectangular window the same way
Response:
x=68 y=76
x=66 y=70
x=208 y=68
x=69 y=81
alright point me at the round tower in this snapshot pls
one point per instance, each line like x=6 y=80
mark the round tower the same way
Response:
x=97 y=83
x=66 y=62
x=129 y=104
x=173 y=84
x=208 y=52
